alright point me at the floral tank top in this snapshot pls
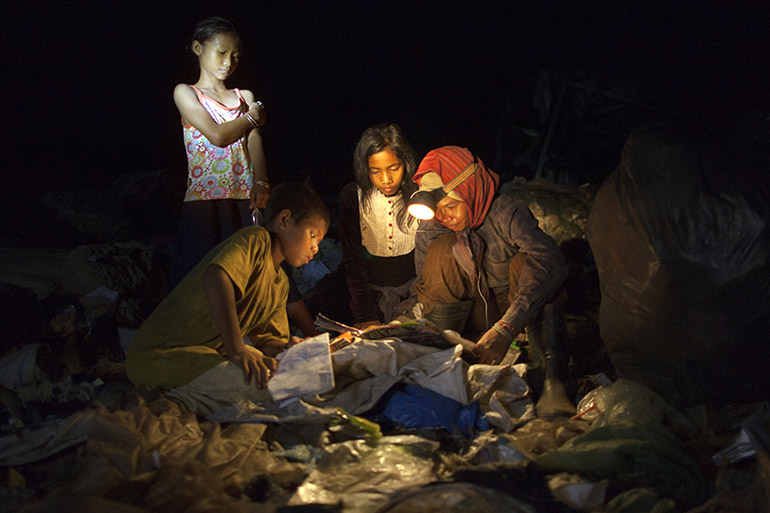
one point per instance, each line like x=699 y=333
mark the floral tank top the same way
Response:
x=214 y=172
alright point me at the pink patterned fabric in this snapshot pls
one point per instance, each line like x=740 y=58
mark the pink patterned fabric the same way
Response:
x=214 y=172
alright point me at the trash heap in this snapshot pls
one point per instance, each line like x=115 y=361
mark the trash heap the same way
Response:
x=561 y=210
x=390 y=426
x=400 y=420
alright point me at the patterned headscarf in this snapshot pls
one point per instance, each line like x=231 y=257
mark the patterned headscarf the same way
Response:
x=477 y=190
x=449 y=164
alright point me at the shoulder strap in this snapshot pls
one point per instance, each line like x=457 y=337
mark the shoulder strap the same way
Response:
x=198 y=92
x=243 y=105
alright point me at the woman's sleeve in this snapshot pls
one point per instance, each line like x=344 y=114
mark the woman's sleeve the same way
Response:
x=361 y=304
x=427 y=231
x=544 y=271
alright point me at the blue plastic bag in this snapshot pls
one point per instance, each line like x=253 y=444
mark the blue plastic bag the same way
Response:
x=414 y=407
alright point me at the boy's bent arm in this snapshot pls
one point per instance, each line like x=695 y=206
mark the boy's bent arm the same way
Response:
x=220 y=293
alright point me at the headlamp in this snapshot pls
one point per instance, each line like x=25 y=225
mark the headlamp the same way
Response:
x=423 y=204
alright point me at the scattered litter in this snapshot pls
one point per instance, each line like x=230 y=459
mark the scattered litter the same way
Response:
x=576 y=492
x=630 y=444
x=455 y=498
x=753 y=435
x=489 y=447
x=355 y=427
x=362 y=477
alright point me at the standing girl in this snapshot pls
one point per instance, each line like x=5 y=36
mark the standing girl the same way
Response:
x=377 y=234
x=227 y=173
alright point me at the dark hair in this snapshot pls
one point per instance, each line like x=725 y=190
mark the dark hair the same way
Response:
x=210 y=27
x=303 y=201
x=378 y=138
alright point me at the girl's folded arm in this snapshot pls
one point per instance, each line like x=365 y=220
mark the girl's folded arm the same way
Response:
x=194 y=113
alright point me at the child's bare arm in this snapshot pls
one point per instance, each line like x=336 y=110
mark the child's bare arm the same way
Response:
x=194 y=113
x=260 y=116
x=220 y=293
x=259 y=192
x=272 y=347
x=299 y=313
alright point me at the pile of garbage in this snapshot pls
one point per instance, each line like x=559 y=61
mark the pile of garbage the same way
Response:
x=679 y=233
x=396 y=421
x=561 y=210
x=390 y=426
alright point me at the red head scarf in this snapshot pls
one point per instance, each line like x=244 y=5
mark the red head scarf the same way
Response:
x=477 y=191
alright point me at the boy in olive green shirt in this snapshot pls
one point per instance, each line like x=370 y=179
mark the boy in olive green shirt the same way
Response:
x=193 y=345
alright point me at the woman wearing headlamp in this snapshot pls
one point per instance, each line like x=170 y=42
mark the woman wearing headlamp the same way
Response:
x=484 y=252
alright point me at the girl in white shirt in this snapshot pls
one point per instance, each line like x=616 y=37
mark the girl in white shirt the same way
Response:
x=376 y=232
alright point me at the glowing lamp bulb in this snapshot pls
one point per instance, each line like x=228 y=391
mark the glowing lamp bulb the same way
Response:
x=421 y=211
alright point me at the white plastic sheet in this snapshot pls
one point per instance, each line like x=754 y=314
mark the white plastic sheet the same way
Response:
x=304 y=369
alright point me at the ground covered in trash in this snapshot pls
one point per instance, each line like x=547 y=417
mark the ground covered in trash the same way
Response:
x=395 y=424
x=626 y=450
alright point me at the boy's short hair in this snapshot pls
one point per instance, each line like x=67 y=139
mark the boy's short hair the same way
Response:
x=303 y=201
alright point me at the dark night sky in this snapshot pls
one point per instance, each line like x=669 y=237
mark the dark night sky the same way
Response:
x=89 y=84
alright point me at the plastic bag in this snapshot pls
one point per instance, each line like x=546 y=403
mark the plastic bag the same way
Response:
x=362 y=476
x=681 y=245
x=413 y=407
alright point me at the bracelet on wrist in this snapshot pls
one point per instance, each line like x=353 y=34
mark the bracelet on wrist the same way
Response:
x=505 y=329
x=254 y=124
x=262 y=183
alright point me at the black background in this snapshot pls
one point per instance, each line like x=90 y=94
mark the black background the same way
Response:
x=88 y=85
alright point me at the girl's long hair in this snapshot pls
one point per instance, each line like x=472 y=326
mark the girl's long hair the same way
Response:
x=374 y=140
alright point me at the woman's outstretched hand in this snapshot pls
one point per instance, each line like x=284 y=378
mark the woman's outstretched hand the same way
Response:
x=491 y=347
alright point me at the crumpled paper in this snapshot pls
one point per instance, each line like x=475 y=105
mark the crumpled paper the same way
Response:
x=304 y=369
